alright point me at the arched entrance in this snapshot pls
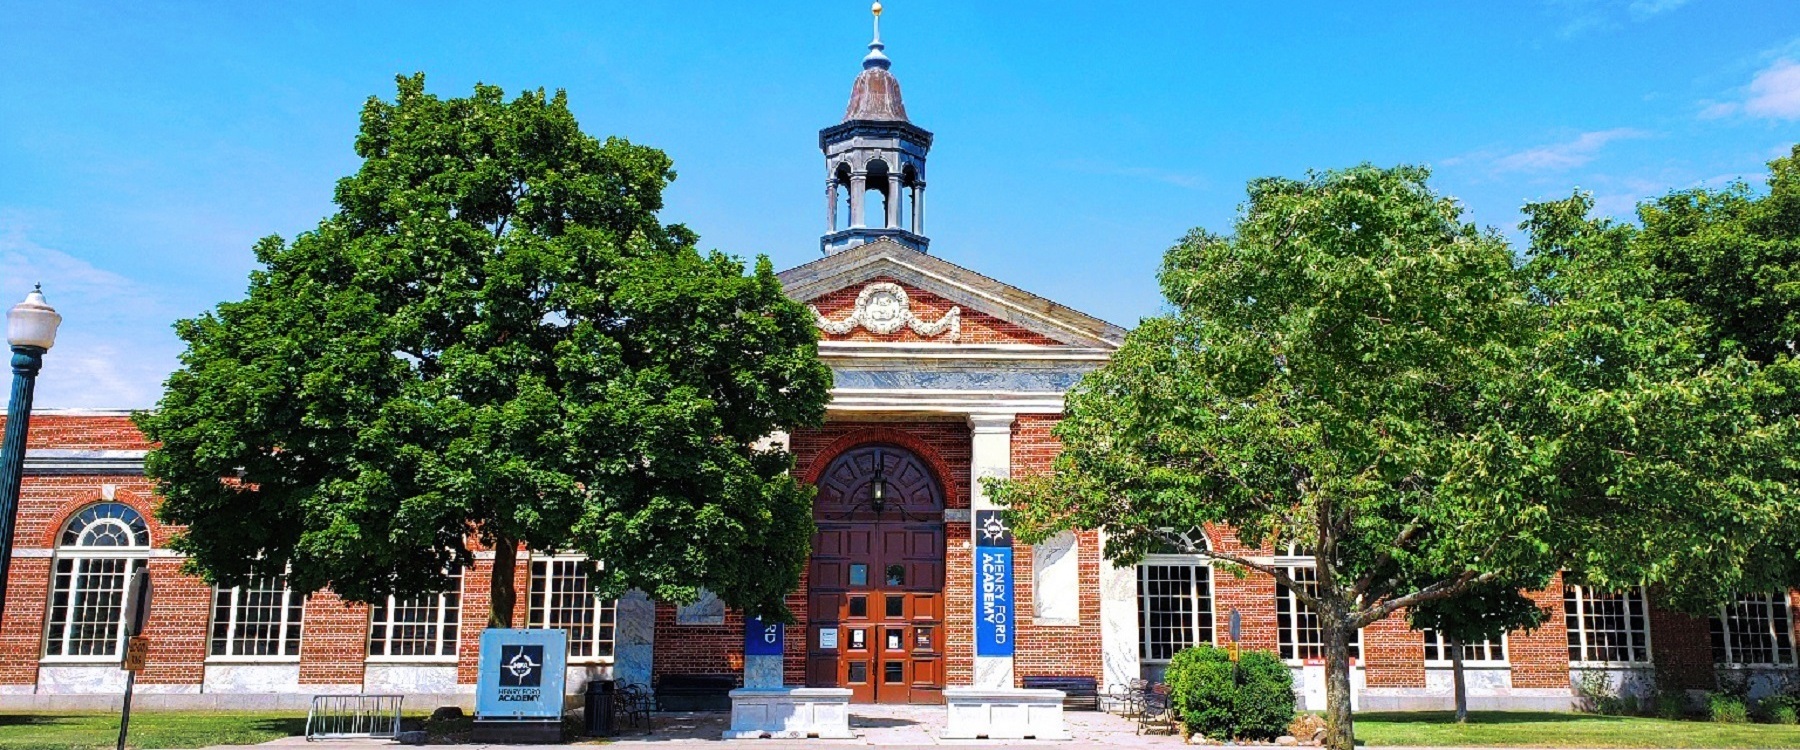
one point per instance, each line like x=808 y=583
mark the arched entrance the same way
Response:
x=876 y=583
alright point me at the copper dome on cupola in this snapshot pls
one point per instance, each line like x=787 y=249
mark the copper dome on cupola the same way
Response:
x=876 y=93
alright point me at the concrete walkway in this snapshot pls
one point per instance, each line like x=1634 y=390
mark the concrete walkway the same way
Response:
x=883 y=726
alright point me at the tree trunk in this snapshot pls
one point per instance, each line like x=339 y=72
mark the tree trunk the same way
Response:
x=1456 y=679
x=502 y=596
x=1339 y=733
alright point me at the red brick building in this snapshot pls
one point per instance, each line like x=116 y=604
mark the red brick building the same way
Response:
x=943 y=376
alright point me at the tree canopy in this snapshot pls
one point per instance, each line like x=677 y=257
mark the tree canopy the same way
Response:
x=493 y=341
x=1359 y=373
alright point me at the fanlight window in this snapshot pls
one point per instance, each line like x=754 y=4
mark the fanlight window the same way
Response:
x=99 y=550
x=106 y=525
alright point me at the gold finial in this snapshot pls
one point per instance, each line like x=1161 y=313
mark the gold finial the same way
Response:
x=876 y=9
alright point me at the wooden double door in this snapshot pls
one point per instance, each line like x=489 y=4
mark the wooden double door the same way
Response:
x=876 y=582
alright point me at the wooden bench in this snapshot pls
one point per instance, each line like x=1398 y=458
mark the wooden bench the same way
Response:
x=1079 y=693
x=695 y=692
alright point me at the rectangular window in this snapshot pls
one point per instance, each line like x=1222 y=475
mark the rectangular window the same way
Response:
x=1174 y=608
x=1298 y=625
x=560 y=598
x=1483 y=652
x=421 y=626
x=261 y=619
x=1606 y=627
x=1756 y=630
x=87 y=605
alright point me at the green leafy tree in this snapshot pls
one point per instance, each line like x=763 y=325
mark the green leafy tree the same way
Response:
x=1665 y=378
x=1480 y=612
x=1360 y=374
x=493 y=342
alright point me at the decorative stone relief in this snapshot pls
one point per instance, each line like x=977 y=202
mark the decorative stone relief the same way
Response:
x=709 y=609
x=883 y=308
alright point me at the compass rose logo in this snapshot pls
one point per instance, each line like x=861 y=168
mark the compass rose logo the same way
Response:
x=993 y=530
x=521 y=666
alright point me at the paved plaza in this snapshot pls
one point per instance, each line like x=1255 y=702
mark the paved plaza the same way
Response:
x=875 y=725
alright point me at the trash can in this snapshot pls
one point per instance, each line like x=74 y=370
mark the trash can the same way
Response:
x=598 y=707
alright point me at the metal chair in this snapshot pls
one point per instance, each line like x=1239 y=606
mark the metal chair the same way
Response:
x=1156 y=711
x=632 y=705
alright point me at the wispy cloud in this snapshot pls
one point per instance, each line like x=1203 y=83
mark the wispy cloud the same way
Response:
x=1565 y=155
x=1582 y=16
x=1644 y=9
x=114 y=348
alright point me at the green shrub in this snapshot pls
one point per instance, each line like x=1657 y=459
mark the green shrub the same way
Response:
x=1265 y=696
x=1201 y=690
x=1726 y=709
x=1671 y=704
x=1252 y=700
x=1779 y=709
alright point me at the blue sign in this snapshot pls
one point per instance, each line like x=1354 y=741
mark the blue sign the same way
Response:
x=994 y=633
x=521 y=674
x=760 y=639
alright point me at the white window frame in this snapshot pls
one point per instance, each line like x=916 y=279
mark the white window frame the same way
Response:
x=1294 y=560
x=134 y=557
x=1435 y=643
x=1211 y=625
x=1772 y=603
x=447 y=617
x=1583 y=596
x=293 y=617
x=538 y=616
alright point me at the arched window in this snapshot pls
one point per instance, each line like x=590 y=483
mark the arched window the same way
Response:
x=1175 y=606
x=96 y=555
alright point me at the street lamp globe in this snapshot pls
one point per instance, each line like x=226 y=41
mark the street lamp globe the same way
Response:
x=32 y=322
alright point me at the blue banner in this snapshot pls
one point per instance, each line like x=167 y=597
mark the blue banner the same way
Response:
x=760 y=639
x=993 y=585
x=993 y=601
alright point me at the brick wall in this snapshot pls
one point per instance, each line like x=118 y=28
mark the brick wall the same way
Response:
x=1540 y=658
x=1053 y=649
x=334 y=640
x=976 y=327
x=1393 y=654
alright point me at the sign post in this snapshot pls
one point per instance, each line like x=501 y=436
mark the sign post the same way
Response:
x=993 y=587
x=137 y=645
x=1237 y=627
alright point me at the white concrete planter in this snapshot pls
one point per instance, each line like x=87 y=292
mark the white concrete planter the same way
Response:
x=789 y=713
x=1004 y=714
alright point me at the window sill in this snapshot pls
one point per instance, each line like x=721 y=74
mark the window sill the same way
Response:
x=252 y=660
x=62 y=661
x=429 y=661
x=592 y=661
x=1611 y=665
x=1468 y=664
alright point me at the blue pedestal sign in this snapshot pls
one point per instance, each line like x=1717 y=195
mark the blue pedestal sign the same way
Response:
x=993 y=585
x=521 y=677
x=761 y=639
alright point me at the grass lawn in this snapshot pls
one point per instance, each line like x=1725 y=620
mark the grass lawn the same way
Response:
x=157 y=729
x=1545 y=729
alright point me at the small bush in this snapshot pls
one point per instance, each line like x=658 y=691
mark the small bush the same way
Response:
x=1779 y=709
x=1253 y=699
x=1726 y=709
x=1671 y=704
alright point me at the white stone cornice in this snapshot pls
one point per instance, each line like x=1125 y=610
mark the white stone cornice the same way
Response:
x=65 y=461
x=898 y=351
x=924 y=401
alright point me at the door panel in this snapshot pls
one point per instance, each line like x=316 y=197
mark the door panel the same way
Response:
x=877 y=579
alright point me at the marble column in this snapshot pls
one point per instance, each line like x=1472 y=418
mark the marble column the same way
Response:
x=919 y=209
x=859 y=183
x=893 y=201
x=1118 y=621
x=831 y=217
x=991 y=456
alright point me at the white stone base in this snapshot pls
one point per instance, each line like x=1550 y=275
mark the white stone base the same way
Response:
x=789 y=713
x=1004 y=714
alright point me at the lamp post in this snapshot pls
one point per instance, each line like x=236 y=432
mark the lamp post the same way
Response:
x=31 y=329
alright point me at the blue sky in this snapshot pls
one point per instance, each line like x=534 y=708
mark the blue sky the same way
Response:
x=145 y=146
